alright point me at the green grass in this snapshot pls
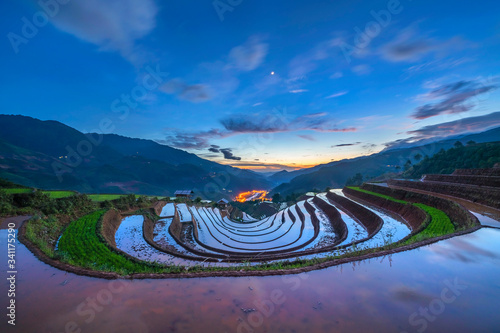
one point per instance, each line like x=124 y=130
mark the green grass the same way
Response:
x=17 y=190
x=81 y=245
x=377 y=194
x=440 y=225
x=104 y=197
x=59 y=194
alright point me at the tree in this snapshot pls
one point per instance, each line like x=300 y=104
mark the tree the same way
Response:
x=471 y=142
x=355 y=181
x=417 y=157
x=197 y=200
x=407 y=165
x=458 y=144
x=276 y=198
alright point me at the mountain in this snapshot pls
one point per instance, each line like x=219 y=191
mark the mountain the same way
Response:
x=335 y=174
x=285 y=176
x=51 y=155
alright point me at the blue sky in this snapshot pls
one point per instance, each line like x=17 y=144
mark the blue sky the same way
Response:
x=255 y=84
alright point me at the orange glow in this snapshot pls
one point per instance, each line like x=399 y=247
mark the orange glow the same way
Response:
x=252 y=195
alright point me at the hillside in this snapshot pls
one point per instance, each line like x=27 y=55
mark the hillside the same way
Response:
x=51 y=155
x=335 y=174
x=471 y=156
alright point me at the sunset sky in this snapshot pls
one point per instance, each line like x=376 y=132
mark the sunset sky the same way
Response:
x=268 y=85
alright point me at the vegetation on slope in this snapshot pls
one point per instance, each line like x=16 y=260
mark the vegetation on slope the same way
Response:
x=80 y=245
x=471 y=156
x=440 y=225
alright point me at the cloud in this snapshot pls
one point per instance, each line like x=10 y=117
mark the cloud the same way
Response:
x=409 y=46
x=113 y=25
x=338 y=94
x=298 y=91
x=198 y=140
x=248 y=56
x=307 y=137
x=346 y=144
x=226 y=152
x=262 y=166
x=305 y=63
x=249 y=124
x=228 y=155
x=263 y=123
x=361 y=69
x=432 y=133
x=453 y=98
x=269 y=122
x=369 y=147
x=194 y=93
x=336 y=75
x=471 y=124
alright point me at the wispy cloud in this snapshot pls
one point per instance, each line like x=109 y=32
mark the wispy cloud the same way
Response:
x=346 y=144
x=362 y=69
x=454 y=98
x=269 y=122
x=259 y=123
x=306 y=137
x=298 y=91
x=411 y=45
x=305 y=63
x=443 y=130
x=466 y=125
x=248 y=56
x=194 y=140
x=113 y=25
x=262 y=166
x=195 y=93
x=338 y=94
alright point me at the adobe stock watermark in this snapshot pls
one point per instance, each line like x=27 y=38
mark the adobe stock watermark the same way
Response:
x=223 y=6
x=420 y=319
x=363 y=37
x=265 y=308
x=31 y=27
x=121 y=106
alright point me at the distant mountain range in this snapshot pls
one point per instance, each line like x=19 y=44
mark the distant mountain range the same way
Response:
x=335 y=174
x=51 y=155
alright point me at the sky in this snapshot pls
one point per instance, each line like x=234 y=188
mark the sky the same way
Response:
x=265 y=85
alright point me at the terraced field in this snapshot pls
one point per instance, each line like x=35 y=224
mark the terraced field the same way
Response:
x=325 y=227
x=314 y=228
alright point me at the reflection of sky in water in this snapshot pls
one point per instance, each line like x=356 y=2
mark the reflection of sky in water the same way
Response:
x=467 y=249
x=129 y=238
x=376 y=295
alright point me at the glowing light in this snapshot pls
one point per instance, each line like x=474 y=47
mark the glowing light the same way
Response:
x=252 y=195
x=272 y=73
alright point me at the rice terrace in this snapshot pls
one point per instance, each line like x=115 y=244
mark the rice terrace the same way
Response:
x=233 y=166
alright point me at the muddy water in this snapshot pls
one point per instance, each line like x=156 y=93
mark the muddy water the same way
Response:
x=378 y=295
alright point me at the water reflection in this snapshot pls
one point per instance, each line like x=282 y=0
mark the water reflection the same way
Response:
x=377 y=295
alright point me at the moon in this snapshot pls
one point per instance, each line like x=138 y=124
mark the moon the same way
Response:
x=272 y=73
